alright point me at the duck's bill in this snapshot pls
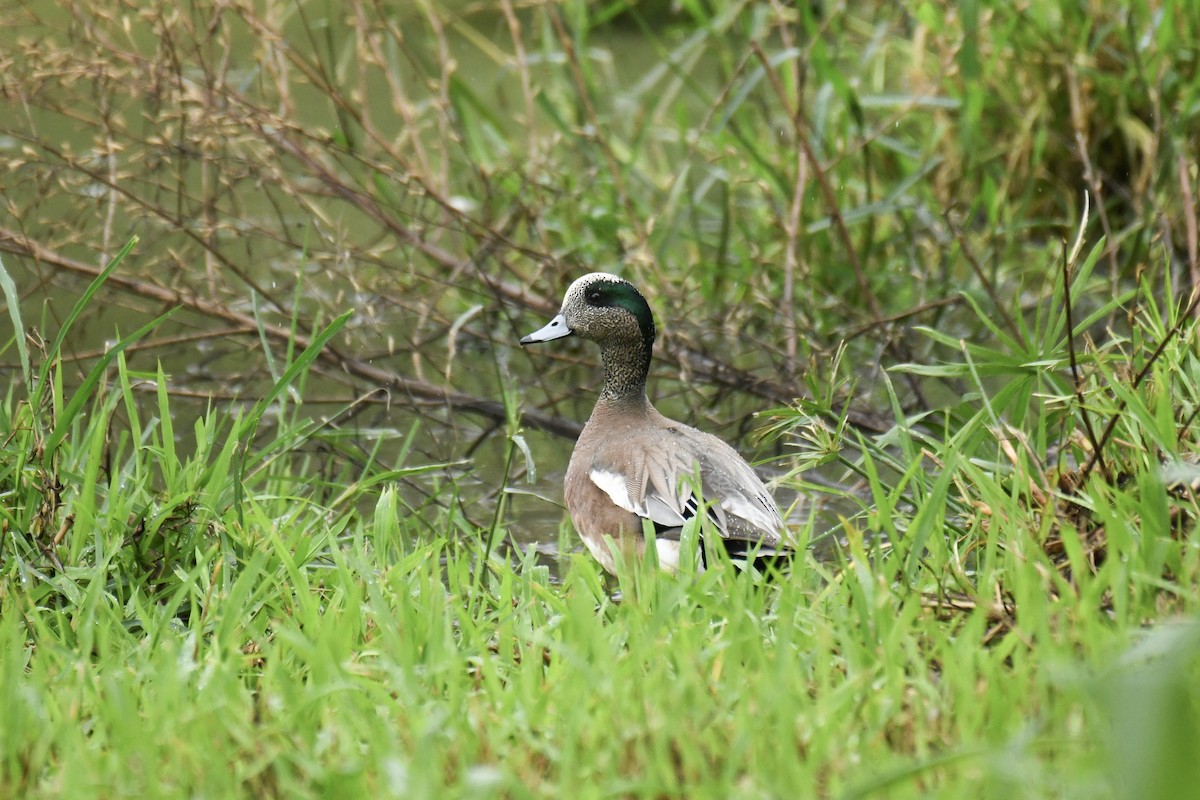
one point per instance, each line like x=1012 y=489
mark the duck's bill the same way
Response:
x=556 y=328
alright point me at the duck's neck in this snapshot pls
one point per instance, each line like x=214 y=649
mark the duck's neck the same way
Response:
x=625 y=369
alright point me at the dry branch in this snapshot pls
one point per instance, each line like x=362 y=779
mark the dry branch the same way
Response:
x=14 y=242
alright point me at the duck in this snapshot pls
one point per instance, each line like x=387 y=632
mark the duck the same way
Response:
x=634 y=468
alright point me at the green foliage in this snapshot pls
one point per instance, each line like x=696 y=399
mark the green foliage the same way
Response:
x=185 y=614
x=865 y=202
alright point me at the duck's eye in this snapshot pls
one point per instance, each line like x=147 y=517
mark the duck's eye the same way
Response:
x=595 y=297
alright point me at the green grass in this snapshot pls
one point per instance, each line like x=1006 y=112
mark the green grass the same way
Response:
x=236 y=622
x=297 y=591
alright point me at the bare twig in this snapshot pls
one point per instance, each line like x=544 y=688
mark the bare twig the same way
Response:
x=792 y=226
x=1189 y=218
x=835 y=214
x=915 y=311
x=977 y=268
x=1175 y=331
x=589 y=111
x=1079 y=124
x=522 y=63
x=831 y=202
x=1068 y=262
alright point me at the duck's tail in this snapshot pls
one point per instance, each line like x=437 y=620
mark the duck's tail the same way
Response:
x=774 y=562
x=770 y=560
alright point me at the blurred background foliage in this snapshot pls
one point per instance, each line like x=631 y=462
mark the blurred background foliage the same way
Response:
x=782 y=179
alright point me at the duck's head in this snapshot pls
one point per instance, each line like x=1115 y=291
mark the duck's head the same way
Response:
x=603 y=308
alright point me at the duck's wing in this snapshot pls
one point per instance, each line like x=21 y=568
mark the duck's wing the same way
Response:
x=657 y=481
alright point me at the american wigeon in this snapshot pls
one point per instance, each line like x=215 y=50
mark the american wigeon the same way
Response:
x=633 y=464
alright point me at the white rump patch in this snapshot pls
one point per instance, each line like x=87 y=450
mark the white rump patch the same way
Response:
x=668 y=554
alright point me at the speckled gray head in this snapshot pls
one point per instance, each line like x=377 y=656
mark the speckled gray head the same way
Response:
x=592 y=308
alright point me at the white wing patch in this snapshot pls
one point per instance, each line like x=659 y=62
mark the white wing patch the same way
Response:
x=654 y=504
x=613 y=484
x=653 y=507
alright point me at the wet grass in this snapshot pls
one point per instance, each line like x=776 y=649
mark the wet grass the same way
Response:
x=867 y=223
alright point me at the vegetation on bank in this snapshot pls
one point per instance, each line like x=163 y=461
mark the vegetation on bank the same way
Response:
x=950 y=253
